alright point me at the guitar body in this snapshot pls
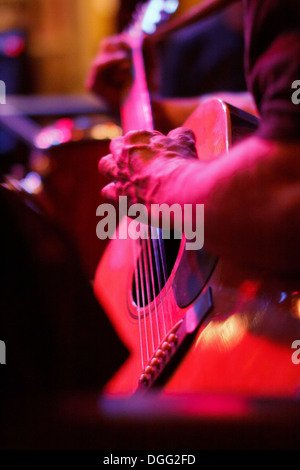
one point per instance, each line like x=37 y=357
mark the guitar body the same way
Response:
x=242 y=343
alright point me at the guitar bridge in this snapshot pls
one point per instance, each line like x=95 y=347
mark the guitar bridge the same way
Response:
x=172 y=349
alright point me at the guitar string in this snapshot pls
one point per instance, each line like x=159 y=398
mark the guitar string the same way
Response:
x=137 y=293
x=141 y=271
x=143 y=278
x=159 y=277
x=159 y=282
x=149 y=241
x=164 y=269
x=152 y=298
x=141 y=89
x=147 y=282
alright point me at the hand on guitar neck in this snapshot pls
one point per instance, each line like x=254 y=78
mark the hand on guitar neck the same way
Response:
x=110 y=72
x=110 y=76
x=250 y=193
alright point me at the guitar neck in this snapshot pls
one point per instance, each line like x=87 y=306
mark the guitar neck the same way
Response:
x=136 y=111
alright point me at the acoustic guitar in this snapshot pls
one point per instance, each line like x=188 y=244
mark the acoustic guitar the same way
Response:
x=194 y=323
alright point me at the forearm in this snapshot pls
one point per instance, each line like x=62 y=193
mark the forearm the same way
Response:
x=251 y=198
x=250 y=194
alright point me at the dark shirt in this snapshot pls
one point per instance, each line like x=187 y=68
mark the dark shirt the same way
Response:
x=205 y=57
x=272 y=64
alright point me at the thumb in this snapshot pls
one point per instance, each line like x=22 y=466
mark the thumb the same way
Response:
x=110 y=193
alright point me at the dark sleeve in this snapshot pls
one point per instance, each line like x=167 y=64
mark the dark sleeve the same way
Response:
x=272 y=64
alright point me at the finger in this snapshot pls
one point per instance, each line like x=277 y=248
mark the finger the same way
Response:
x=111 y=67
x=117 y=149
x=126 y=188
x=161 y=141
x=111 y=58
x=107 y=167
x=182 y=135
x=115 y=43
x=116 y=145
x=186 y=139
x=110 y=193
x=108 y=73
x=139 y=137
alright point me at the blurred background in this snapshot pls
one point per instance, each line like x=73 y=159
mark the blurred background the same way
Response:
x=51 y=43
x=52 y=131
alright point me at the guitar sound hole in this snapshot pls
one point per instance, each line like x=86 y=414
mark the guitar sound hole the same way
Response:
x=154 y=266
